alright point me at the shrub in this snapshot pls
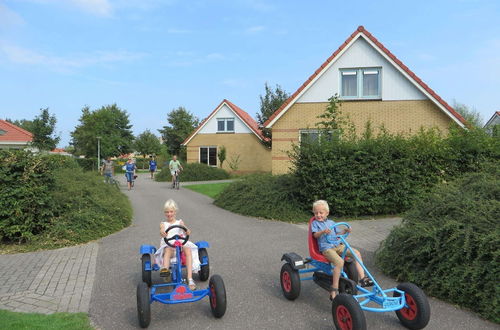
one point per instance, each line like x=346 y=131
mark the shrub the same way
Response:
x=263 y=195
x=194 y=172
x=50 y=201
x=25 y=203
x=384 y=174
x=88 y=164
x=448 y=243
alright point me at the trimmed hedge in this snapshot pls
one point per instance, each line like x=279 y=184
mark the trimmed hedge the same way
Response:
x=194 y=172
x=263 y=195
x=384 y=174
x=449 y=243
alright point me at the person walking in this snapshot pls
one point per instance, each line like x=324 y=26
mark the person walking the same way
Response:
x=108 y=169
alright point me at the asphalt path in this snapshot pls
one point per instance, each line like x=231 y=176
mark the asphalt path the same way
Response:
x=246 y=252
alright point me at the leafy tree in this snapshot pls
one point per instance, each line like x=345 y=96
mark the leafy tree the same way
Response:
x=269 y=103
x=181 y=124
x=111 y=124
x=147 y=144
x=43 y=127
x=332 y=122
x=221 y=155
x=472 y=116
x=23 y=123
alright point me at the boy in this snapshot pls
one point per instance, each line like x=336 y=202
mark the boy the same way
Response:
x=321 y=229
x=152 y=166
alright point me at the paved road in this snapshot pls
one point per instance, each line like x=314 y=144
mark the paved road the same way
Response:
x=246 y=252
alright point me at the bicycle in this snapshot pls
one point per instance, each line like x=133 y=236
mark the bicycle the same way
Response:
x=176 y=180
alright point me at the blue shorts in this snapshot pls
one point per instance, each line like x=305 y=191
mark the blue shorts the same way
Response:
x=129 y=176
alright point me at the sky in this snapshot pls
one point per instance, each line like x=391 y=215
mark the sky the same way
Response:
x=152 y=56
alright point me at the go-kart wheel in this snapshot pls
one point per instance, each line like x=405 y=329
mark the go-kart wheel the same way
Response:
x=290 y=282
x=204 y=272
x=143 y=305
x=347 y=314
x=146 y=274
x=218 y=300
x=417 y=312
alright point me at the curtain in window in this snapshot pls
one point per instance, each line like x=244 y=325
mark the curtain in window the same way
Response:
x=349 y=83
x=370 y=83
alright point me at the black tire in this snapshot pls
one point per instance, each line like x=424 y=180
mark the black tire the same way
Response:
x=204 y=272
x=351 y=270
x=218 y=302
x=146 y=274
x=290 y=282
x=418 y=312
x=347 y=314
x=143 y=305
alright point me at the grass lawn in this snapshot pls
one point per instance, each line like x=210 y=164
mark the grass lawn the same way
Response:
x=209 y=189
x=59 y=321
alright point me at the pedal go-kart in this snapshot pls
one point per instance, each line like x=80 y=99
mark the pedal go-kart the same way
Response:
x=408 y=300
x=147 y=292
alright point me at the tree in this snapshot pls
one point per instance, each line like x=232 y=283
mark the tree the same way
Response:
x=23 y=123
x=147 y=143
x=269 y=103
x=111 y=124
x=182 y=123
x=43 y=127
x=221 y=155
x=472 y=116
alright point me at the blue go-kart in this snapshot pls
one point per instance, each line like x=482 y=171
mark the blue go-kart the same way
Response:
x=179 y=292
x=407 y=300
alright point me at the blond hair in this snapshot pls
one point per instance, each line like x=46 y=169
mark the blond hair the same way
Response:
x=322 y=203
x=170 y=205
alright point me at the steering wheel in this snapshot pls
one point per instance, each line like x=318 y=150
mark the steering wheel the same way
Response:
x=344 y=236
x=182 y=239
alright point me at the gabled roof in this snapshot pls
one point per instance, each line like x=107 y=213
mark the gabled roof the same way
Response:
x=14 y=133
x=361 y=32
x=240 y=113
x=495 y=115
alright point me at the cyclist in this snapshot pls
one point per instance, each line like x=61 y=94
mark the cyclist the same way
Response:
x=174 y=167
x=108 y=169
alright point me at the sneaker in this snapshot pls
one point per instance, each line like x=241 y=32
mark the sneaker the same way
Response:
x=192 y=285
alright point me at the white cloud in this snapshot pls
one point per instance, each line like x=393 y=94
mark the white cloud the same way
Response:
x=9 y=17
x=178 y=31
x=255 y=29
x=19 y=55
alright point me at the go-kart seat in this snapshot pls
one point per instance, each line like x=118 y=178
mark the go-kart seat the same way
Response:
x=313 y=246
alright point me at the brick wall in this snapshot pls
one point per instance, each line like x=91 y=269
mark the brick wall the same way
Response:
x=396 y=116
x=253 y=155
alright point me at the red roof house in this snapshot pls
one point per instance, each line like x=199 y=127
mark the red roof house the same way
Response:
x=13 y=137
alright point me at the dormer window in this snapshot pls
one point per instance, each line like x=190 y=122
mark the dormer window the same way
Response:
x=225 y=124
x=361 y=83
x=2 y=132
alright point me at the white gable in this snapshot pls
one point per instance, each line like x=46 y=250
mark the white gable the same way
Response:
x=394 y=85
x=224 y=112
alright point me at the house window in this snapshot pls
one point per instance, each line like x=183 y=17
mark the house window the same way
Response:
x=363 y=83
x=312 y=135
x=208 y=155
x=2 y=132
x=225 y=124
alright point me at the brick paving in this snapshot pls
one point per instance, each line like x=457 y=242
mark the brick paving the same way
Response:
x=48 y=281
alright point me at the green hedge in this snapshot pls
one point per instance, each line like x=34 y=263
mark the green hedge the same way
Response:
x=384 y=174
x=263 y=195
x=194 y=172
x=49 y=200
x=449 y=243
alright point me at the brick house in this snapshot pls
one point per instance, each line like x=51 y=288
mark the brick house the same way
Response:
x=14 y=137
x=373 y=85
x=231 y=127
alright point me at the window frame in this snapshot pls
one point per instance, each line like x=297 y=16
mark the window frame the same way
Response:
x=314 y=131
x=225 y=120
x=208 y=155
x=360 y=73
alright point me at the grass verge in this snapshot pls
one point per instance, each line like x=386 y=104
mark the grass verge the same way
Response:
x=211 y=190
x=58 y=321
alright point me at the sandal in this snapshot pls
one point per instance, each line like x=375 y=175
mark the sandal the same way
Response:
x=192 y=285
x=165 y=272
x=365 y=281
x=332 y=289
